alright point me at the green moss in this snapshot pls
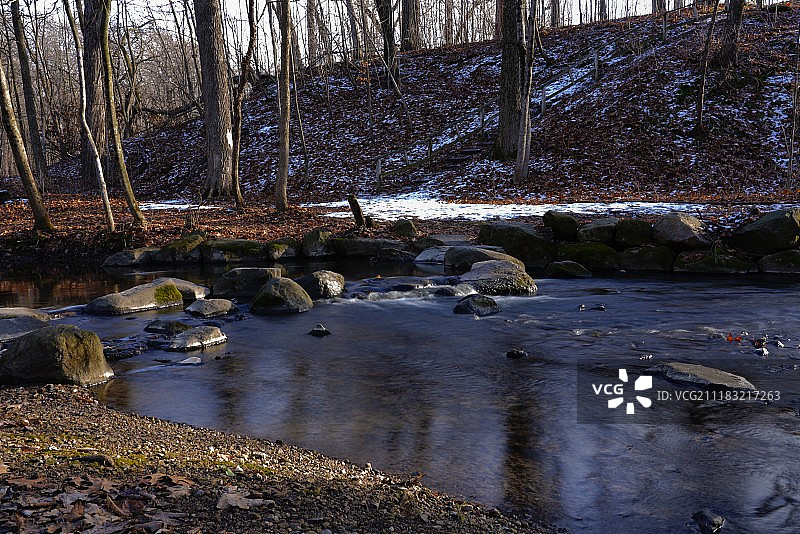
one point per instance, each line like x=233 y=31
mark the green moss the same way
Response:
x=167 y=293
x=185 y=243
x=277 y=248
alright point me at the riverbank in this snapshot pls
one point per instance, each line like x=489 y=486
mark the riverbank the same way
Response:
x=68 y=462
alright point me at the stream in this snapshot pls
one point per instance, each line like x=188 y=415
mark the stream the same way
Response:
x=405 y=384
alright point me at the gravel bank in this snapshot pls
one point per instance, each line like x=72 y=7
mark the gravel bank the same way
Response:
x=70 y=464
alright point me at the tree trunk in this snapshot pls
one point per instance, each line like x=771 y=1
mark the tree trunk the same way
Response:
x=41 y=220
x=216 y=98
x=354 y=37
x=386 y=16
x=523 y=153
x=119 y=155
x=29 y=93
x=555 y=13
x=512 y=62
x=238 y=97
x=701 y=91
x=92 y=23
x=729 y=52
x=449 y=22
x=411 y=38
x=87 y=131
x=312 y=33
x=498 y=20
x=281 y=181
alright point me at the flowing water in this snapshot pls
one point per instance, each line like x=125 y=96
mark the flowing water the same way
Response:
x=411 y=387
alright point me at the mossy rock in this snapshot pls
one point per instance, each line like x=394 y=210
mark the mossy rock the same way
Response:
x=567 y=269
x=774 y=232
x=499 y=277
x=224 y=250
x=564 y=225
x=519 y=240
x=404 y=228
x=786 y=262
x=633 y=232
x=281 y=296
x=681 y=231
x=647 y=258
x=284 y=248
x=317 y=243
x=599 y=231
x=711 y=262
x=593 y=256
x=183 y=250
x=461 y=259
x=166 y=294
x=369 y=248
x=162 y=293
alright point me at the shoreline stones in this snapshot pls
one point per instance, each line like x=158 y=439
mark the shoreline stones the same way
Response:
x=771 y=233
x=519 y=240
x=169 y=328
x=479 y=305
x=681 y=231
x=16 y=322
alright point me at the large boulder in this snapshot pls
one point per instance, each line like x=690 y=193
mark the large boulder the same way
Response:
x=681 y=232
x=786 y=262
x=593 y=256
x=211 y=308
x=433 y=256
x=196 y=338
x=224 y=250
x=284 y=248
x=567 y=269
x=633 y=232
x=244 y=282
x=647 y=258
x=135 y=257
x=499 y=277
x=153 y=296
x=710 y=262
x=183 y=250
x=479 y=305
x=317 y=243
x=55 y=354
x=773 y=232
x=368 y=247
x=563 y=225
x=700 y=375
x=440 y=240
x=520 y=240
x=189 y=290
x=404 y=228
x=322 y=284
x=281 y=296
x=599 y=231
x=462 y=259
x=16 y=322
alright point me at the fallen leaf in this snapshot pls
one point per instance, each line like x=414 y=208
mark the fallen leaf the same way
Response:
x=3 y=469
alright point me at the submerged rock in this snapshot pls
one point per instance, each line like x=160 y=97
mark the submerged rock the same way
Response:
x=196 y=338
x=773 y=232
x=519 y=240
x=700 y=375
x=322 y=284
x=281 y=296
x=169 y=328
x=162 y=293
x=319 y=331
x=479 y=305
x=564 y=225
x=244 y=282
x=567 y=269
x=191 y=360
x=55 y=354
x=516 y=354
x=495 y=277
x=432 y=255
x=211 y=308
x=462 y=259
x=15 y=322
x=120 y=349
x=708 y=522
x=681 y=231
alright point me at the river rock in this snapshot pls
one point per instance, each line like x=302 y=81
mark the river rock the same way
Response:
x=786 y=262
x=317 y=243
x=440 y=240
x=499 y=277
x=647 y=258
x=599 y=231
x=211 y=308
x=367 y=247
x=322 y=284
x=567 y=269
x=432 y=256
x=153 y=296
x=189 y=290
x=458 y=290
x=462 y=258
x=135 y=257
x=15 y=322
x=404 y=228
x=196 y=338
x=708 y=522
x=681 y=232
x=183 y=250
x=633 y=232
x=709 y=262
x=593 y=256
x=283 y=248
x=224 y=250
x=244 y=282
x=700 y=375
x=191 y=360
x=55 y=354
x=281 y=296
x=127 y=347
x=479 y=305
x=519 y=240
x=169 y=328
x=319 y=331
x=773 y=232
x=563 y=225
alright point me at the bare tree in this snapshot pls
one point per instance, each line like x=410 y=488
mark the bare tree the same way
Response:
x=524 y=151
x=281 y=181
x=386 y=16
x=512 y=63
x=701 y=91
x=238 y=97
x=410 y=36
x=312 y=33
x=729 y=52
x=119 y=155
x=216 y=98
x=91 y=25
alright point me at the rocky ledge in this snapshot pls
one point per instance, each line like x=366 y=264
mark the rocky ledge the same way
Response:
x=71 y=464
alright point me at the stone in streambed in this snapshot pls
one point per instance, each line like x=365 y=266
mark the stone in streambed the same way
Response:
x=462 y=259
x=16 y=322
x=495 y=277
x=708 y=522
x=322 y=284
x=700 y=375
x=186 y=249
x=196 y=338
x=156 y=295
x=244 y=282
x=55 y=354
x=516 y=354
x=189 y=290
x=281 y=296
x=169 y=328
x=519 y=240
x=319 y=331
x=211 y=308
x=773 y=232
x=440 y=240
x=567 y=269
x=479 y=305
